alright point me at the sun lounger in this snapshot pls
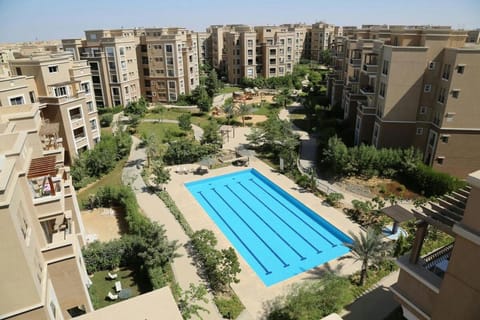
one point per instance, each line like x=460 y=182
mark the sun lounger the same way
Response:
x=118 y=286
x=112 y=276
x=112 y=296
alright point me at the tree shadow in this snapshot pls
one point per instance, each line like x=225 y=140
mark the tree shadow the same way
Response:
x=376 y=304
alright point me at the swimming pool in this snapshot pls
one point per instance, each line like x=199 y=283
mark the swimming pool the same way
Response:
x=276 y=234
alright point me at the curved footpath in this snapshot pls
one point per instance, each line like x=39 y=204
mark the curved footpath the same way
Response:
x=183 y=267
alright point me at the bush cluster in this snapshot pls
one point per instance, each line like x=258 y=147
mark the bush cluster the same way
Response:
x=100 y=160
x=402 y=164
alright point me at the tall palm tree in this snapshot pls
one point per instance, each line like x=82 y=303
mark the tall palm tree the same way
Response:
x=369 y=248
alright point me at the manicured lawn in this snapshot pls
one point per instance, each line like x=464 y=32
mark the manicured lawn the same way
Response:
x=173 y=114
x=160 y=130
x=131 y=279
x=114 y=178
x=229 y=89
x=265 y=109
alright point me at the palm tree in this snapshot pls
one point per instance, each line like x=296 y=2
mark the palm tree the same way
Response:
x=369 y=248
x=229 y=110
x=243 y=111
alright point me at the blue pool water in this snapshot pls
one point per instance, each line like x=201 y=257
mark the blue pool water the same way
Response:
x=276 y=234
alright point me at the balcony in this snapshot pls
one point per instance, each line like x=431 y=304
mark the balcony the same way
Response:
x=367 y=90
x=353 y=79
x=355 y=62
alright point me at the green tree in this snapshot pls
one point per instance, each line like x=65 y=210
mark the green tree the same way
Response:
x=334 y=199
x=201 y=98
x=211 y=83
x=368 y=248
x=156 y=250
x=229 y=109
x=189 y=299
x=336 y=156
x=161 y=174
x=226 y=270
x=255 y=137
x=211 y=134
x=185 y=121
x=138 y=107
x=153 y=148
x=184 y=150
x=283 y=98
x=244 y=110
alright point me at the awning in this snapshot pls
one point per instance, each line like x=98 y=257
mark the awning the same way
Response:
x=41 y=167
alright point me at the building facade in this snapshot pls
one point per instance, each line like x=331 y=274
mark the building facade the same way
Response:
x=63 y=87
x=41 y=230
x=168 y=63
x=112 y=56
x=444 y=284
x=411 y=86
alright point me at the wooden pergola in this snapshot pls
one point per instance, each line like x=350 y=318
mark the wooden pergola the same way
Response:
x=43 y=167
x=398 y=214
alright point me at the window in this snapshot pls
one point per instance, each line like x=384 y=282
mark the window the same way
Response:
x=381 y=91
x=455 y=93
x=95 y=79
x=273 y=52
x=144 y=60
x=169 y=61
x=170 y=73
x=16 y=101
x=427 y=88
x=126 y=90
x=431 y=65
x=423 y=110
x=53 y=69
x=93 y=124
x=444 y=138
x=116 y=91
x=111 y=66
x=124 y=77
x=122 y=51
x=460 y=69
x=92 y=36
x=18 y=71
x=250 y=43
x=52 y=304
x=90 y=106
x=123 y=64
x=446 y=72
x=31 y=94
x=386 y=64
x=60 y=91
x=93 y=66
x=171 y=85
x=441 y=95
x=440 y=160
x=419 y=131
x=169 y=48
x=75 y=114
x=85 y=87
x=250 y=52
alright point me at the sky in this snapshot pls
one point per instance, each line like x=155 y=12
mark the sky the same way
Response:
x=30 y=20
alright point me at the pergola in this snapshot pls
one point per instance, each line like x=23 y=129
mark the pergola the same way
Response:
x=43 y=167
x=399 y=214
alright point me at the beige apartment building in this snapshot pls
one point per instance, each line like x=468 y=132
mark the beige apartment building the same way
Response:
x=322 y=37
x=411 y=86
x=64 y=89
x=41 y=230
x=444 y=284
x=168 y=63
x=203 y=47
x=112 y=56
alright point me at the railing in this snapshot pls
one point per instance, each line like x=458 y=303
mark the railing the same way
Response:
x=367 y=90
x=370 y=68
x=429 y=261
x=356 y=62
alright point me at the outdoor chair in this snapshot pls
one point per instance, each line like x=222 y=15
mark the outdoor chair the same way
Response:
x=112 y=276
x=118 y=286
x=112 y=296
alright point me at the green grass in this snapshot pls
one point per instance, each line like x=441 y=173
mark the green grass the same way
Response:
x=229 y=90
x=113 y=178
x=173 y=114
x=160 y=130
x=136 y=281
x=265 y=109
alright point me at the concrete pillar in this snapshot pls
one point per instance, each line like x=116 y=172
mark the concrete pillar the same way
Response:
x=420 y=234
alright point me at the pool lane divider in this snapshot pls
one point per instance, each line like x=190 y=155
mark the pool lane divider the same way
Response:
x=236 y=235
x=265 y=222
x=251 y=229
x=296 y=215
x=280 y=218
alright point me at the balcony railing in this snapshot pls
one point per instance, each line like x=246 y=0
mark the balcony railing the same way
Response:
x=437 y=260
x=370 y=68
x=367 y=90
x=356 y=62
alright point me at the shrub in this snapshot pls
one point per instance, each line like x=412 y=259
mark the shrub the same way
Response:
x=229 y=308
x=429 y=182
x=334 y=198
x=168 y=201
x=158 y=278
x=106 y=119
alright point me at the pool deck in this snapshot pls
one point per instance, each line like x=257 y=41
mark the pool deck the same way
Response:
x=251 y=290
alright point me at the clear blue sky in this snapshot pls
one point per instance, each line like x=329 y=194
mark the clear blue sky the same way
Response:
x=27 y=20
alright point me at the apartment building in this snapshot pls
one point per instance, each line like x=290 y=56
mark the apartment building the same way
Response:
x=203 y=47
x=64 y=89
x=406 y=86
x=112 y=56
x=41 y=230
x=322 y=37
x=168 y=63
x=444 y=284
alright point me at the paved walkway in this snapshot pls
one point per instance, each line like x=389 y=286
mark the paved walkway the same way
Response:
x=183 y=267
